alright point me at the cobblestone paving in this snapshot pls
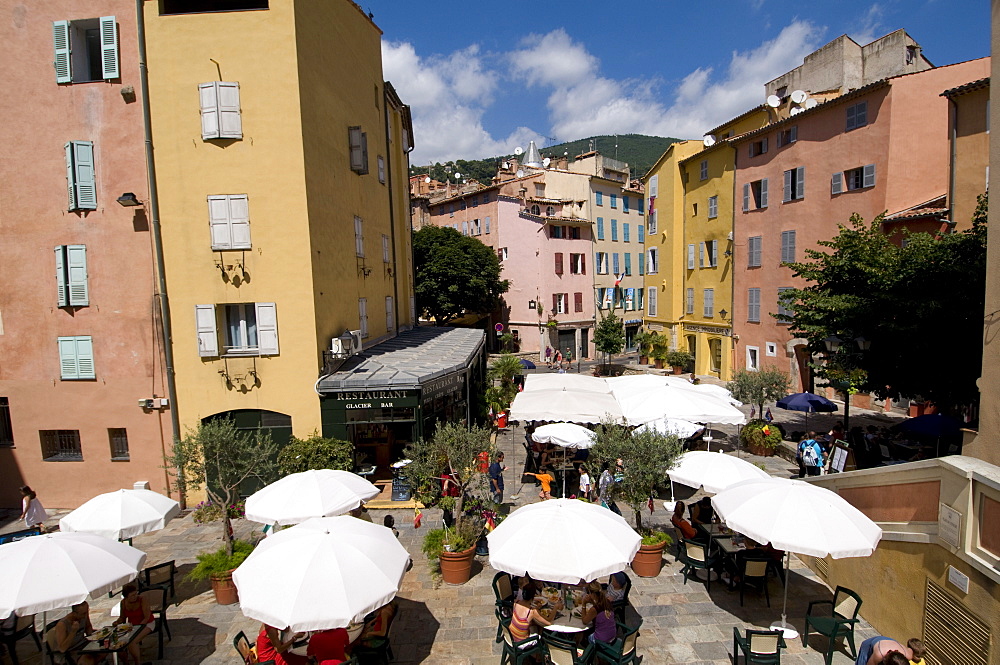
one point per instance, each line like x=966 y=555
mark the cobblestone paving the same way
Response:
x=682 y=623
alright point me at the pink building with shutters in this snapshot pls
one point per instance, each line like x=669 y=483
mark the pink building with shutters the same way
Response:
x=78 y=341
x=881 y=147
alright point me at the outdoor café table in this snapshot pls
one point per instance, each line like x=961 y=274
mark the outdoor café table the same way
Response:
x=300 y=647
x=97 y=647
x=715 y=530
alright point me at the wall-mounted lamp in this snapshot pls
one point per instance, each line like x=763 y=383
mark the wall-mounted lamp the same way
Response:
x=532 y=304
x=128 y=200
x=728 y=252
x=723 y=313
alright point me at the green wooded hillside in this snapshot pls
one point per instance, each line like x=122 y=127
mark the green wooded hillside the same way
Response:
x=640 y=151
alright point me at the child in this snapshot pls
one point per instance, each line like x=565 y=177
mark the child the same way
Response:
x=546 y=479
x=389 y=522
x=918 y=649
x=585 y=483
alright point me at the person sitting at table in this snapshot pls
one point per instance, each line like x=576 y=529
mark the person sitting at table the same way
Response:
x=270 y=647
x=703 y=513
x=599 y=613
x=67 y=634
x=546 y=479
x=525 y=581
x=329 y=645
x=378 y=625
x=615 y=590
x=687 y=531
x=523 y=617
x=135 y=610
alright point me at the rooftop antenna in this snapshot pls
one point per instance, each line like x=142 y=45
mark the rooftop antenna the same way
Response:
x=591 y=145
x=616 y=146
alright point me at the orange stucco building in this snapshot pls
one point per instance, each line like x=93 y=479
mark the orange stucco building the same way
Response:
x=883 y=147
x=78 y=340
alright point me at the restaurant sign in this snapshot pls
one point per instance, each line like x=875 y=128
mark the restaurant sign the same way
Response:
x=374 y=399
x=443 y=385
x=708 y=330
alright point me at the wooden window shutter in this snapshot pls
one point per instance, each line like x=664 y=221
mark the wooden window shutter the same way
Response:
x=869 y=176
x=559 y=263
x=85 y=358
x=787 y=193
x=763 y=193
x=110 y=68
x=578 y=302
x=690 y=258
x=67 y=358
x=583 y=264
x=746 y=197
x=60 y=41
x=208 y=336
x=641 y=232
x=642 y=263
x=218 y=221
x=851 y=117
x=267 y=328
x=80 y=174
x=208 y=100
x=800 y=182
x=600 y=228
x=837 y=183
x=713 y=253
x=62 y=297
x=555 y=302
x=76 y=272
x=230 y=120
x=793 y=134
x=628 y=263
x=239 y=219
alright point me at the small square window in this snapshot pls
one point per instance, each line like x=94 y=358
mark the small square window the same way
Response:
x=61 y=445
x=770 y=349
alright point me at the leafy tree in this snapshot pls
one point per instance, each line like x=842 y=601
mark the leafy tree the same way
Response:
x=646 y=457
x=316 y=452
x=765 y=385
x=454 y=274
x=916 y=302
x=505 y=370
x=609 y=335
x=219 y=457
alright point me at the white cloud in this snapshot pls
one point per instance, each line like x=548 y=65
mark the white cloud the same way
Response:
x=869 y=26
x=448 y=96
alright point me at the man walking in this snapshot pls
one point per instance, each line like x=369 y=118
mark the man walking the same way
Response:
x=496 y=478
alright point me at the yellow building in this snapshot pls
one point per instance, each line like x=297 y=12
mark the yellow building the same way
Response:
x=707 y=251
x=281 y=165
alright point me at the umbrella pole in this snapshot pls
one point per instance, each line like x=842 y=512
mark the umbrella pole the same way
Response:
x=789 y=632
x=564 y=474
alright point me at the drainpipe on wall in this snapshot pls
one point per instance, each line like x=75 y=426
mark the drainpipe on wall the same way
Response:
x=154 y=214
x=952 y=136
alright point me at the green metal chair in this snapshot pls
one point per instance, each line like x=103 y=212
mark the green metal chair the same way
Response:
x=562 y=651
x=695 y=557
x=623 y=650
x=760 y=647
x=840 y=622
x=753 y=573
x=517 y=652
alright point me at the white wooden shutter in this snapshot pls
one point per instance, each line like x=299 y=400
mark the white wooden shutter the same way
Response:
x=239 y=220
x=110 y=69
x=390 y=319
x=80 y=175
x=363 y=316
x=63 y=62
x=85 y=358
x=701 y=255
x=709 y=303
x=358 y=149
x=837 y=183
x=218 y=221
x=76 y=271
x=61 y=292
x=654 y=185
x=690 y=257
x=713 y=253
x=67 y=358
x=230 y=123
x=746 y=197
x=787 y=192
x=869 y=176
x=487 y=225
x=800 y=182
x=208 y=335
x=651 y=301
x=763 y=193
x=208 y=98
x=267 y=328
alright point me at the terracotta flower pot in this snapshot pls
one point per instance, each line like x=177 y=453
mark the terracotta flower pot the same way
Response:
x=643 y=360
x=224 y=589
x=678 y=369
x=456 y=567
x=762 y=451
x=648 y=560
x=657 y=363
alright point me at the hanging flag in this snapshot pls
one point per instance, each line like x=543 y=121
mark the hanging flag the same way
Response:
x=766 y=429
x=490 y=522
x=619 y=278
x=417 y=516
x=768 y=417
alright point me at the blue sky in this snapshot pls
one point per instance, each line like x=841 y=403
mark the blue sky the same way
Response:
x=482 y=78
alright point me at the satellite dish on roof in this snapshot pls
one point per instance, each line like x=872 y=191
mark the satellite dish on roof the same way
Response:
x=811 y=103
x=799 y=96
x=773 y=101
x=518 y=150
x=506 y=165
x=520 y=173
x=546 y=162
x=427 y=179
x=797 y=110
x=709 y=140
x=458 y=175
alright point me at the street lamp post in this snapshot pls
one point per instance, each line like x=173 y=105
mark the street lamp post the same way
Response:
x=835 y=348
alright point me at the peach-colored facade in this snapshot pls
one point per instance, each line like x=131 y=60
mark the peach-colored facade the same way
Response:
x=121 y=309
x=897 y=159
x=970 y=135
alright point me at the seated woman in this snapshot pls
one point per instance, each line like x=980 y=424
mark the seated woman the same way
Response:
x=271 y=647
x=378 y=625
x=135 y=610
x=703 y=512
x=599 y=613
x=68 y=632
x=524 y=617
x=615 y=590
x=682 y=525
x=329 y=646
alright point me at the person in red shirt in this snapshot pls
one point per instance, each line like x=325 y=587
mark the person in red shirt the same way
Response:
x=329 y=645
x=688 y=531
x=271 y=647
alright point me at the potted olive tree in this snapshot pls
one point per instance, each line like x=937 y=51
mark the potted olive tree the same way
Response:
x=644 y=344
x=452 y=454
x=645 y=457
x=678 y=359
x=219 y=457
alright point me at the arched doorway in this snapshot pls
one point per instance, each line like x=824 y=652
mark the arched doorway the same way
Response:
x=278 y=425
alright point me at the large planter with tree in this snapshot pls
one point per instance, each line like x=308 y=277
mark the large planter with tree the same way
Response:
x=678 y=360
x=218 y=566
x=503 y=372
x=609 y=338
x=453 y=452
x=644 y=345
x=767 y=384
x=649 y=559
x=760 y=437
x=316 y=452
x=219 y=457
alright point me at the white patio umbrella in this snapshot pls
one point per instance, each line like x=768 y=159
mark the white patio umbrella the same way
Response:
x=563 y=540
x=713 y=471
x=682 y=429
x=799 y=517
x=122 y=515
x=323 y=573
x=315 y=493
x=642 y=406
x=564 y=406
x=577 y=382
x=567 y=435
x=56 y=570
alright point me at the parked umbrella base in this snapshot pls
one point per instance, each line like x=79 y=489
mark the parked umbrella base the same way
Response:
x=789 y=632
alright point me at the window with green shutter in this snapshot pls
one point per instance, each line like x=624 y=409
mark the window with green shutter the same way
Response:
x=80 y=183
x=86 y=50
x=76 y=358
x=71 y=276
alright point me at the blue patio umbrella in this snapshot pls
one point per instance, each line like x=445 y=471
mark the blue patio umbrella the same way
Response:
x=527 y=364
x=932 y=424
x=808 y=402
